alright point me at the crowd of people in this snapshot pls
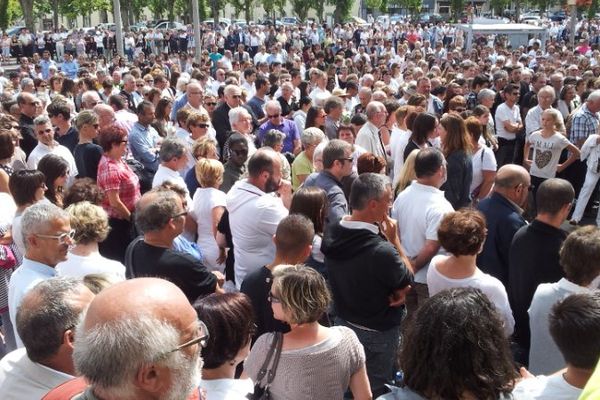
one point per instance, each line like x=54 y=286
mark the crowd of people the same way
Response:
x=308 y=212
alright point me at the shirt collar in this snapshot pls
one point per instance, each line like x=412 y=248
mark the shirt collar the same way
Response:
x=426 y=188
x=38 y=267
x=348 y=224
x=569 y=286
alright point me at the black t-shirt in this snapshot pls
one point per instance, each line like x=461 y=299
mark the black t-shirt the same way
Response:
x=87 y=157
x=69 y=139
x=185 y=271
x=257 y=286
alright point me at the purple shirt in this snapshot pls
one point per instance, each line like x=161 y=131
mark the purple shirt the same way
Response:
x=288 y=127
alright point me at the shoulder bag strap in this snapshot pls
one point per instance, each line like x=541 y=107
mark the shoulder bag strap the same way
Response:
x=263 y=370
x=273 y=369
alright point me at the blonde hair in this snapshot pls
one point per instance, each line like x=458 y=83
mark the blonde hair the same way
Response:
x=203 y=146
x=303 y=292
x=407 y=172
x=89 y=221
x=196 y=117
x=209 y=173
x=559 y=123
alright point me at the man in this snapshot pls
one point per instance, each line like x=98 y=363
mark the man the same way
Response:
x=508 y=125
x=530 y=100
x=579 y=260
x=46 y=323
x=320 y=91
x=275 y=120
x=293 y=244
x=46 y=145
x=479 y=82
x=220 y=119
x=194 y=94
x=235 y=167
x=257 y=102
x=369 y=136
x=503 y=213
x=89 y=99
x=106 y=115
x=173 y=157
x=144 y=140
x=65 y=134
x=114 y=332
x=574 y=323
x=160 y=216
x=364 y=97
x=419 y=209
x=334 y=107
x=249 y=79
x=533 y=120
x=123 y=116
x=47 y=235
x=434 y=105
x=368 y=277
x=128 y=91
x=255 y=211
x=534 y=255
x=45 y=63
x=337 y=164
x=69 y=66
x=499 y=80
x=28 y=108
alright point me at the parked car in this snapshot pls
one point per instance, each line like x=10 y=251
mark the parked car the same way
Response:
x=169 y=25
x=290 y=21
x=15 y=31
x=558 y=16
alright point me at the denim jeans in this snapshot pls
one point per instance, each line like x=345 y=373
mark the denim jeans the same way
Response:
x=381 y=349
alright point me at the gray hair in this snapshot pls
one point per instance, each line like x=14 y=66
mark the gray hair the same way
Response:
x=549 y=90
x=485 y=94
x=129 y=342
x=45 y=313
x=594 y=96
x=236 y=113
x=39 y=216
x=171 y=148
x=90 y=96
x=500 y=74
x=25 y=82
x=155 y=215
x=231 y=90
x=312 y=135
x=127 y=78
x=335 y=150
x=41 y=120
x=332 y=103
x=273 y=104
x=373 y=108
x=273 y=137
x=367 y=186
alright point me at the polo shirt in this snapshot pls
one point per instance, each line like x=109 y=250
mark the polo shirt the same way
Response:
x=167 y=174
x=41 y=150
x=504 y=113
x=288 y=127
x=143 y=143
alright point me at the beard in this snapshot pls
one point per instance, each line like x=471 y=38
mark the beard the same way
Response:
x=186 y=375
x=271 y=185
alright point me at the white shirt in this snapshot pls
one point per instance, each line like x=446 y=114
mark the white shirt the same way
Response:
x=167 y=174
x=483 y=160
x=490 y=286
x=318 y=93
x=368 y=138
x=227 y=389
x=542 y=387
x=398 y=142
x=79 y=266
x=419 y=209
x=253 y=219
x=504 y=113
x=41 y=150
x=205 y=200
x=546 y=153
x=533 y=120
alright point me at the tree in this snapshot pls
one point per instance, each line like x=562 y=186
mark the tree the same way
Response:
x=342 y=9
x=27 y=7
x=457 y=7
x=10 y=10
x=158 y=7
x=300 y=8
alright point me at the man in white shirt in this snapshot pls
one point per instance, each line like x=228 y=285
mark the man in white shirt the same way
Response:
x=419 y=209
x=369 y=136
x=173 y=158
x=46 y=319
x=256 y=205
x=508 y=125
x=533 y=120
x=47 y=145
x=321 y=89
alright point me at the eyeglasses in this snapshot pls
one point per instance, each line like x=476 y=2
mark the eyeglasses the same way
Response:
x=346 y=159
x=34 y=103
x=274 y=116
x=181 y=214
x=237 y=96
x=274 y=299
x=201 y=125
x=202 y=340
x=211 y=104
x=460 y=109
x=62 y=238
x=140 y=85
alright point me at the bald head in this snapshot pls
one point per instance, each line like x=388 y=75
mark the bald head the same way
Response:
x=510 y=175
x=106 y=115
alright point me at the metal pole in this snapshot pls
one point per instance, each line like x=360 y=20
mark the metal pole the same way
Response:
x=196 y=22
x=573 y=23
x=119 y=28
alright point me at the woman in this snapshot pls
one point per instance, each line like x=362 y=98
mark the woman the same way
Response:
x=566 y=99
x=202 y=148
x=122 y=188
x=302 y=166
x=462 y=233
x=312 y=202
x=368 y=162
x=425 y=128
x=407 y=173
x=56 y=170
x=27 y=187
x=207 y=209
x=299 y=296
x=229 y=318
x=87 y=154
x=482 y=113
x=456 y=349
x=162 y=123
x=546 y=145
x=315 y=117
x=457 y=148
x=90 y=223
x=7 y=150
x=483 y=161
x=55 y=83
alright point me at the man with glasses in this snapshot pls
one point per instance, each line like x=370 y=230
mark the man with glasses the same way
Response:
x=508 y=125
x=291 y=143
x=47 y=235
x=232 y=96
x=160 y=216
x=148 y=328
x=28 y=105
x=46 y=322
x=369 y=137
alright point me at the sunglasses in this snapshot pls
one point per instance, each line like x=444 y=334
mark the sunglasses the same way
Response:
x=211 y=104
x=274 y=116
x=201 y=125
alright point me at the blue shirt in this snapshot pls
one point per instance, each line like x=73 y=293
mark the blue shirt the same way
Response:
x=142 y=143
x=257 y=104
x=185 y=246
x=45 y=66
x=29 y=274
x=288 y=127
x=70 y=69
x=177 y=104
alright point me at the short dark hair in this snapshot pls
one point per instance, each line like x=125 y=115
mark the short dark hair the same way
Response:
x=553 y=194
x=141 y=108
x=462 y=232
x=23 y=185
x=83 y=189
x=261 y=161
x=7 y=146
x=260 y=81
x=312 y=202
x=334 y=150
x=574 y=326
x=479 y=80
x=117 y=101
x=229 y=318
x=428 y=162
x=510 y=87
x=579 y=255
x=423 y=125
x=57 y=108
x=293 y=234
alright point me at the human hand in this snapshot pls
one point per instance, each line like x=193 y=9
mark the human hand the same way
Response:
x=222 y=255
x=389 y=227
x=220 y=278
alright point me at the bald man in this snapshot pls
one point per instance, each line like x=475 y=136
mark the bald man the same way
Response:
x=148 y=328
x=503 y=212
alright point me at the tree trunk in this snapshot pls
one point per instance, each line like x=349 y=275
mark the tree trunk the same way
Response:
x=104 y=16
x=215 y=10
x=27 y=7
x=3 y=14
x=55 y=12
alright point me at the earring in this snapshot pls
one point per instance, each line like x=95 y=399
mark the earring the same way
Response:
x=233 y=362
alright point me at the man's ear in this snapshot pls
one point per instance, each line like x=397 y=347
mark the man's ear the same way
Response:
x=151 y=378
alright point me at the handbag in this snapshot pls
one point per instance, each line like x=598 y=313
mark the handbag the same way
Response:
x=262 y=392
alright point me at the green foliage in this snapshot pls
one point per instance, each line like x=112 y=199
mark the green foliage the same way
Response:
x=74 y=8
x=412 y=6
x=342 y=9
x=499 y=5
x=159 y=7
x=300 y=8
x=457 y=7
x=273 y=6
x=10 y=11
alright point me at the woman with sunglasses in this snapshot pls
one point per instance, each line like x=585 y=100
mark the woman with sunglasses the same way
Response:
x=316 y=362
x=87 y=154
x=229 y=320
